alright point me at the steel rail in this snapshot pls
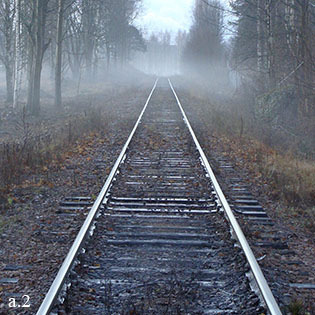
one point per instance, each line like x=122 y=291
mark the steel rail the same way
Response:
x=258 y=275
x=65 y=268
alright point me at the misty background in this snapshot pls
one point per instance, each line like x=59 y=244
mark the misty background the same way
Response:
x=258 y=55
x=75 y=74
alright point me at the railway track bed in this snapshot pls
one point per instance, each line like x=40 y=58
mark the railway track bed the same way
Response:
x=285 y=255
x=160 y=264
x=161 y=242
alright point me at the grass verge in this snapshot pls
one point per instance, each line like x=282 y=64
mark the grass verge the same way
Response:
x=36 y=148
x=287 y=178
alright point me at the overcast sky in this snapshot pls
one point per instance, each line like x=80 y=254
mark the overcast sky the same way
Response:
x=172 y=15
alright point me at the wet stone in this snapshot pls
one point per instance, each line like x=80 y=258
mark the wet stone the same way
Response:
x=9 y=280
x=171 y=268
x=17 y=267
x=310 y=286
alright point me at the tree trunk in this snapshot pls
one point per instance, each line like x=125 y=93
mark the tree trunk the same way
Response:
x=9 y=82
x=259 y=38
x=18 y=57
x=36 y=58
x=108 y=52
x=270 y=44
x=260 y=45
x=89 y=30
x=8 y=50
x=58 y=101
x=305 y=72
x=289 y=21
x=30 y=75
x=36 y=87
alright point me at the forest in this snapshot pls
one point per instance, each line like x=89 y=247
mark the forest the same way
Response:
x=268 y=58
x=253 y=60
x=271 y=51
x=79 y=37
x=250 y=65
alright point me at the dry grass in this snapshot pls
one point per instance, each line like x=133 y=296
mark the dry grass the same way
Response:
x=34 y=151
x=293 y=182
x=297 y=307
x=289 y=180
x=293 y=178
x=287 y=177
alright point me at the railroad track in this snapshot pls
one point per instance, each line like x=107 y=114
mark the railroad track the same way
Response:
x=160 y=232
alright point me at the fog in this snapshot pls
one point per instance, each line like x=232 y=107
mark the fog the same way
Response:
x=159 y=60
x=81 y=47
x=81 y=44
x=162 y=56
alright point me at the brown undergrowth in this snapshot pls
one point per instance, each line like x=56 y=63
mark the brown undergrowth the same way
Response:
x=31 y=145
x=36 y=148
x=285 y=175
x=286 y=179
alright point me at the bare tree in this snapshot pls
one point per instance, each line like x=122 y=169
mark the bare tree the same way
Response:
x=59 y=40
x=277 y=36
x=204 y=54
x=38 y=45
x=7 y=43
x=17 y=52
x=82 y=33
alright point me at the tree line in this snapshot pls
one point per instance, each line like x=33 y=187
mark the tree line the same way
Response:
x=163 y=53
x=274 y=45
x=204 y=54
x=70 y=35
x=272 y=50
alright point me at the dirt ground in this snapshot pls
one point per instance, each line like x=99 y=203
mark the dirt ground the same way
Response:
x=34 y=236
x=291 y=225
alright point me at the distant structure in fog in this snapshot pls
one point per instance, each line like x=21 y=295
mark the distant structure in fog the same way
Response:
x=163 y=56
